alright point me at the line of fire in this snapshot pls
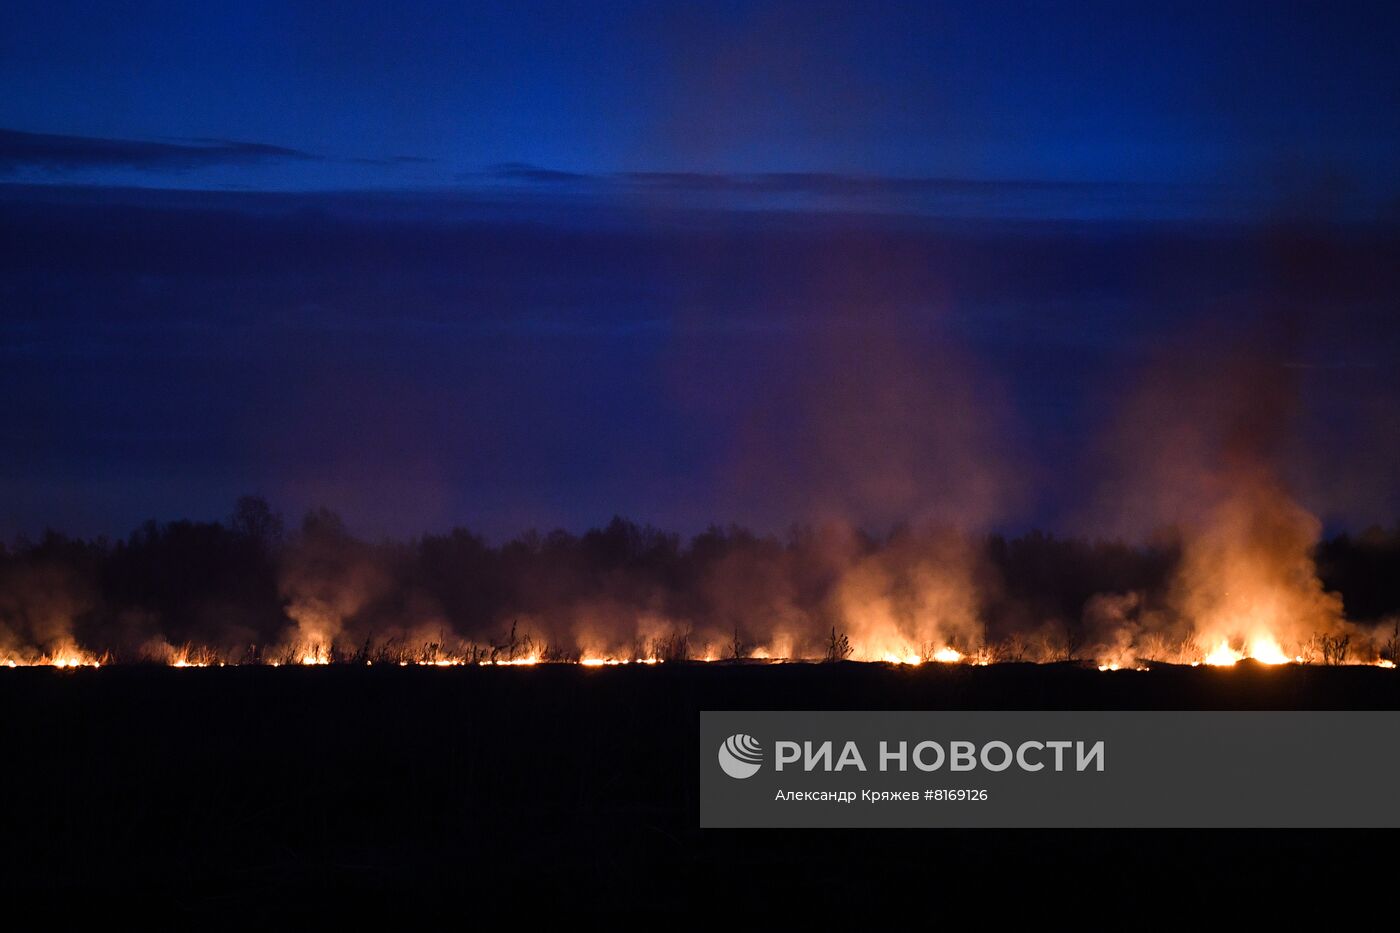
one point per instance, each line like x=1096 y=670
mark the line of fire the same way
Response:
x=1244 y=588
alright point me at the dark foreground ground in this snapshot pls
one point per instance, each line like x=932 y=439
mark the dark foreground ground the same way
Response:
x=225 y=792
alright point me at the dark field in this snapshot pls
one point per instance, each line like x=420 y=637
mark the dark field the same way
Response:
x=556 y=787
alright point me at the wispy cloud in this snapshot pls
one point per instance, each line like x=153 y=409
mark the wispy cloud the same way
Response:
x=824 y=191
x=525 y=172
x=808 y=183
x=21 y=150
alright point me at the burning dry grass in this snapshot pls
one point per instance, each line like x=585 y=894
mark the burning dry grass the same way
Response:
x=1317 y=650
x=62 y=658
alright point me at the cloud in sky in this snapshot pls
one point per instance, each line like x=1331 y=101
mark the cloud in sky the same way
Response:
x=932 y=196
x=210 y=163
x=21 y=150
x=217 y=163
x=828 y=183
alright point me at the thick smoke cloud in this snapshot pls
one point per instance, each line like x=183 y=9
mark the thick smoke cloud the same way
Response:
x=855 y=377
x=1208 y=446
x=525 y=364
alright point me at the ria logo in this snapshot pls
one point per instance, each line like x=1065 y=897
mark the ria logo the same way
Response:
x=740 y=756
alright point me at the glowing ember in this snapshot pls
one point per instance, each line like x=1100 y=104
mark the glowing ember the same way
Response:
x=1387 y=664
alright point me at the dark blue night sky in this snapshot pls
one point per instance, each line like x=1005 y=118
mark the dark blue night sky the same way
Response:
x=536 y=264
x=377 y=95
